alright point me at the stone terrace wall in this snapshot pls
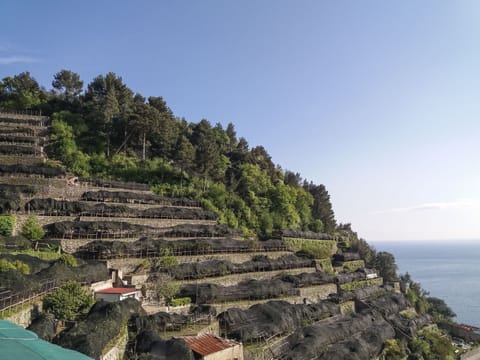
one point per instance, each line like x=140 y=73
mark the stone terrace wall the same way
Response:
x=229 y=280
x=129 y=265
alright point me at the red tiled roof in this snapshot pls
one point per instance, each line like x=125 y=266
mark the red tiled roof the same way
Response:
x=117 y=291
x=468 y=327
x=207 y=344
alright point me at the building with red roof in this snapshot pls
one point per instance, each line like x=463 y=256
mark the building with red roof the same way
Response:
x=212 y=347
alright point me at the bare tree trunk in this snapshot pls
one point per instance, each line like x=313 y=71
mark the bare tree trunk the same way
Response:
x=144 y=143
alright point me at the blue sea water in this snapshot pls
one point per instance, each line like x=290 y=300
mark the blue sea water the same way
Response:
x=448 y=270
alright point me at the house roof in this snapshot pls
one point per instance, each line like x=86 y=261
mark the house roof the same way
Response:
x=207 y=344
x=117 y=291
x=20 y=344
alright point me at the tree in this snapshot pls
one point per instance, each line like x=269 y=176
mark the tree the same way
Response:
x=31 y=229
x=385 y=263
x=20 y=92
x=164 y=288
x=322 y=207
x=67 y=84
x=439 y=309
x=68 y=302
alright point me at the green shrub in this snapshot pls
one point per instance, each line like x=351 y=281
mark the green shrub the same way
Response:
x=17 y=265
x=392 y=351
x=68 y=260
x=68 y=302
x=31 y=229
x=165 y=259
x=7 y=224
x=180 y=301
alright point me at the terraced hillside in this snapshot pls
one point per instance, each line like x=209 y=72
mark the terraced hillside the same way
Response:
x=298 y=295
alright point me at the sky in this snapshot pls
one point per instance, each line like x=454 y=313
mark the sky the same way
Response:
x=378 y=100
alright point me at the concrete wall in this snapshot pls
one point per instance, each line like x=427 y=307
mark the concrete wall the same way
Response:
x=101 y=285
x=233 y=353
x=107 y=297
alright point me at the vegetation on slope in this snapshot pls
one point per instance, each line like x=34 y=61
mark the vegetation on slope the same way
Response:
x=109 y=131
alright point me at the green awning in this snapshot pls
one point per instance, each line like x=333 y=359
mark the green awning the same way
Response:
x=19 y=344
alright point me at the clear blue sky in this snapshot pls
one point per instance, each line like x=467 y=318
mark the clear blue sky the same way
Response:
x=378 y=100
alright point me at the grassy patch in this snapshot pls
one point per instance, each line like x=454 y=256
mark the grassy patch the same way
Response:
x=325 y=265
x=43 y=255
x=351 y=266
x=361 y=284
x=320 y=249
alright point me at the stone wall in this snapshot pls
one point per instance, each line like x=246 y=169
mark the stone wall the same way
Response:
x=25 y=315
x=317 y=293
x=158 y=223
x=129 y=265
x=234 y=279
x=116 y=351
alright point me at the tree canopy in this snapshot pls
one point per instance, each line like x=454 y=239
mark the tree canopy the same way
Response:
x=108 y=130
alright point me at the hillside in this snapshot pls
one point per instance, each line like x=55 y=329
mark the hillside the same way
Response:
x=216 y=237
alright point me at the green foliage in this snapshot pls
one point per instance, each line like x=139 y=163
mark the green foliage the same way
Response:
x=322 y=207
x=385 y=263
x=20 y=92
x=421 y=348
x=415 y=294
x=354 y=265
x=179 y=301
x=31 y=229
x=360 y=284
x=68 y=260
x=65 y=147
x=319 y=249
x=392 y=351
x=439 y=309
x=346 y=235
x=41 y=254
x=325 y=265
x=164 y=288
x=67 y=84
x=111 y=132
x=16 y=265
x=7 y=224
x=68 y=302
x=440 y=346
x=165 y=259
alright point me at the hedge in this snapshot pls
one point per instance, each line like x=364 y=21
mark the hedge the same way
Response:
x=180 y=301
x=7 y=224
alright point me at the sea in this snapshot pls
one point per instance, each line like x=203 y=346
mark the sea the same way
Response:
x=449 y=270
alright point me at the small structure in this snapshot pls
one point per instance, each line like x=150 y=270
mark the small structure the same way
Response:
x=212 y=347
x=370 y=273
x=117 y=294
